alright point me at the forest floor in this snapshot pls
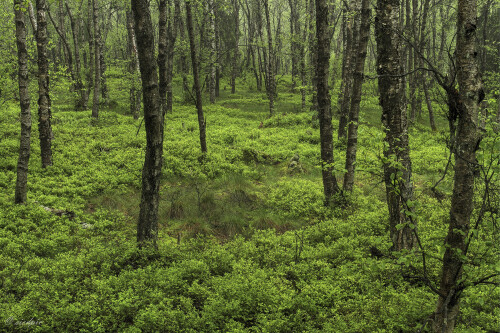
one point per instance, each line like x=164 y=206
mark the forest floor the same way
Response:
x=245 y=243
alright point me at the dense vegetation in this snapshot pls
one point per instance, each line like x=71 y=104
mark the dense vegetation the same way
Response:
x=250 y=166
x=245 y=242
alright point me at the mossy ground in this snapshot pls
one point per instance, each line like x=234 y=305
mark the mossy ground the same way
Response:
x=245 y=243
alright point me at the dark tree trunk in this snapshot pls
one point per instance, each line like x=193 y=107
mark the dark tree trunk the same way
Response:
x=350 y=16
x=162 y=53
x=330 y=185
x=236 y=52
x=89 y=62
x=213 y=50
x=294 y=36
x=97 y=62
x=467 y=141
x=81 y=102
x=147 y=226
x=352 y=136
x=172 y=37
x=67 y=50
x=271 y=89
x=24 y=101
x=102 y=69
x=397 y=165
x=196 y=77
x=44 y=103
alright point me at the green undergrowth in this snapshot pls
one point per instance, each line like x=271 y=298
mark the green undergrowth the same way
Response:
x=245 y=243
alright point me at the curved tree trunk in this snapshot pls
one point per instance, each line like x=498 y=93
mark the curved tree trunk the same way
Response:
x=24 y=101
x=147 y=226
x=44 y=103
x=397 y=164
x=330 y=186
x=467 y=141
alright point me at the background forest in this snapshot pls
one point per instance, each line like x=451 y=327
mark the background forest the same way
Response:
x=250 y=166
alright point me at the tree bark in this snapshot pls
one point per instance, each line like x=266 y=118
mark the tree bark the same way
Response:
x=97 y=62
x=397 y=164
x=352 y=135
x=172 y=37
x=350 y=16
x=213 y=50
x=24 y=101
x=312 y=54
x=330 y=186
x=236 y=52
x=134 y=70
x=196 y=77
x=147 y=226
x=162 y=53
x=44 y=103
x=81 y=102
x=467 y=141
x=271 y=91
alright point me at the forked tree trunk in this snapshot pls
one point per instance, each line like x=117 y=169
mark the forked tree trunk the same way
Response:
x=44 y=103
x=196 y=77
x=467 y=141
x=97 y=62
x=397 y=164
x=147 y=226
x=330 y=186
x=24 y=101
x=352 y=135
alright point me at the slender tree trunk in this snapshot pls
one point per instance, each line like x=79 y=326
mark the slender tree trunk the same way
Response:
x=172 y=36
x=102 y=69
x=236 y=52
x=80 y=103
x=67 y=50
x=397 y=164
x=347 y=66
x=24 y=101
x=89 y=62
x=197 y=87
x=467 y=142
x=213 y=60
x=97 y=62
x=44 y=103
x=312 y=54
x=162 y=53
x=330 y=185
x=147 y=226
x=32 y=16
x=135 y=91
x=352 y=137
x=270 y=63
